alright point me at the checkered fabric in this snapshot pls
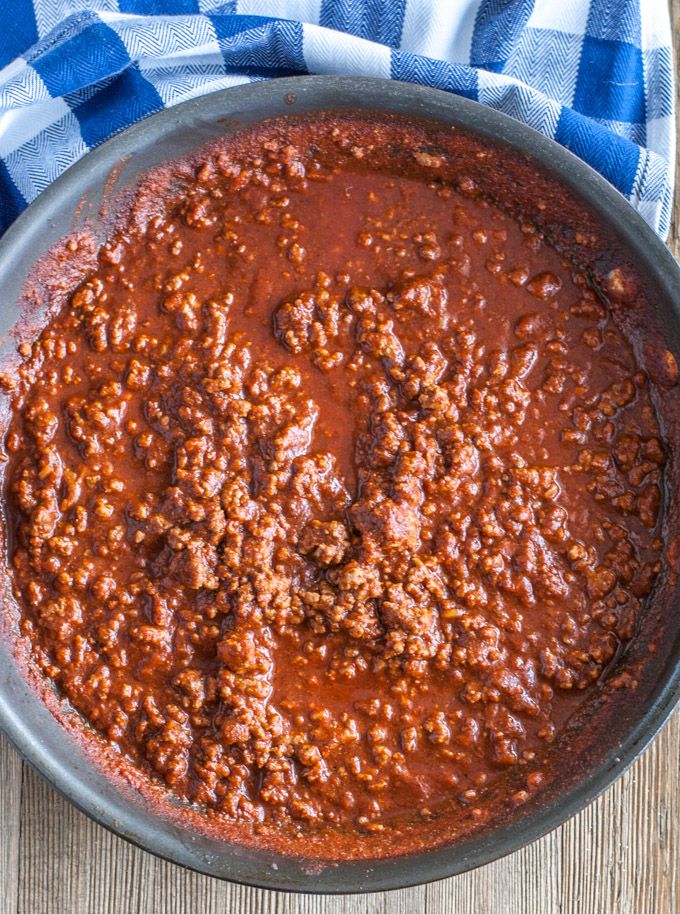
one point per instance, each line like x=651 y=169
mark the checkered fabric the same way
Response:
x=595 y=75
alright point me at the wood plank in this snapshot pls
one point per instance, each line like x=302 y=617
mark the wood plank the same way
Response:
x=621 y=854
x=523 y=883
x=10 y=805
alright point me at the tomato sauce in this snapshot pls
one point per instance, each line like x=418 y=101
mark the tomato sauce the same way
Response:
x=334 y=488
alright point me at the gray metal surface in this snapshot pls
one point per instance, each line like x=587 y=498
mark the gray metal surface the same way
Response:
x=168 y=135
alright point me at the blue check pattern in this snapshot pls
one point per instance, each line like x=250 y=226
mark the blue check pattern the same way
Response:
x=595 y=75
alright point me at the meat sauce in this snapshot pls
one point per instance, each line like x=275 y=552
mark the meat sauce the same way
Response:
x=334 y=489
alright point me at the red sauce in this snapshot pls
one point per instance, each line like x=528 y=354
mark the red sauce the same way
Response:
x=334 y=489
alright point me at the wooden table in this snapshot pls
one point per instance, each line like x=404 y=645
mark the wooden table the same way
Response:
x=620 y=856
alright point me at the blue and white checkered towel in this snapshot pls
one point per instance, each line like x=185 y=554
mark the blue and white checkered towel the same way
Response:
x=596 y=75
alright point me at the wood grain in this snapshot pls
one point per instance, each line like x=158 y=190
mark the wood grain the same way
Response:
x=620 y=856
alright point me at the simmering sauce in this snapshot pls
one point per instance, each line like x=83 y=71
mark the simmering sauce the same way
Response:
x=333 y=488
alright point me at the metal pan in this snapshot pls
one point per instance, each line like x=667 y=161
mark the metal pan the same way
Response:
x=25 y=717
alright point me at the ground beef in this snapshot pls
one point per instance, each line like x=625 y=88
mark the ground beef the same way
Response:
x=332 y=490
